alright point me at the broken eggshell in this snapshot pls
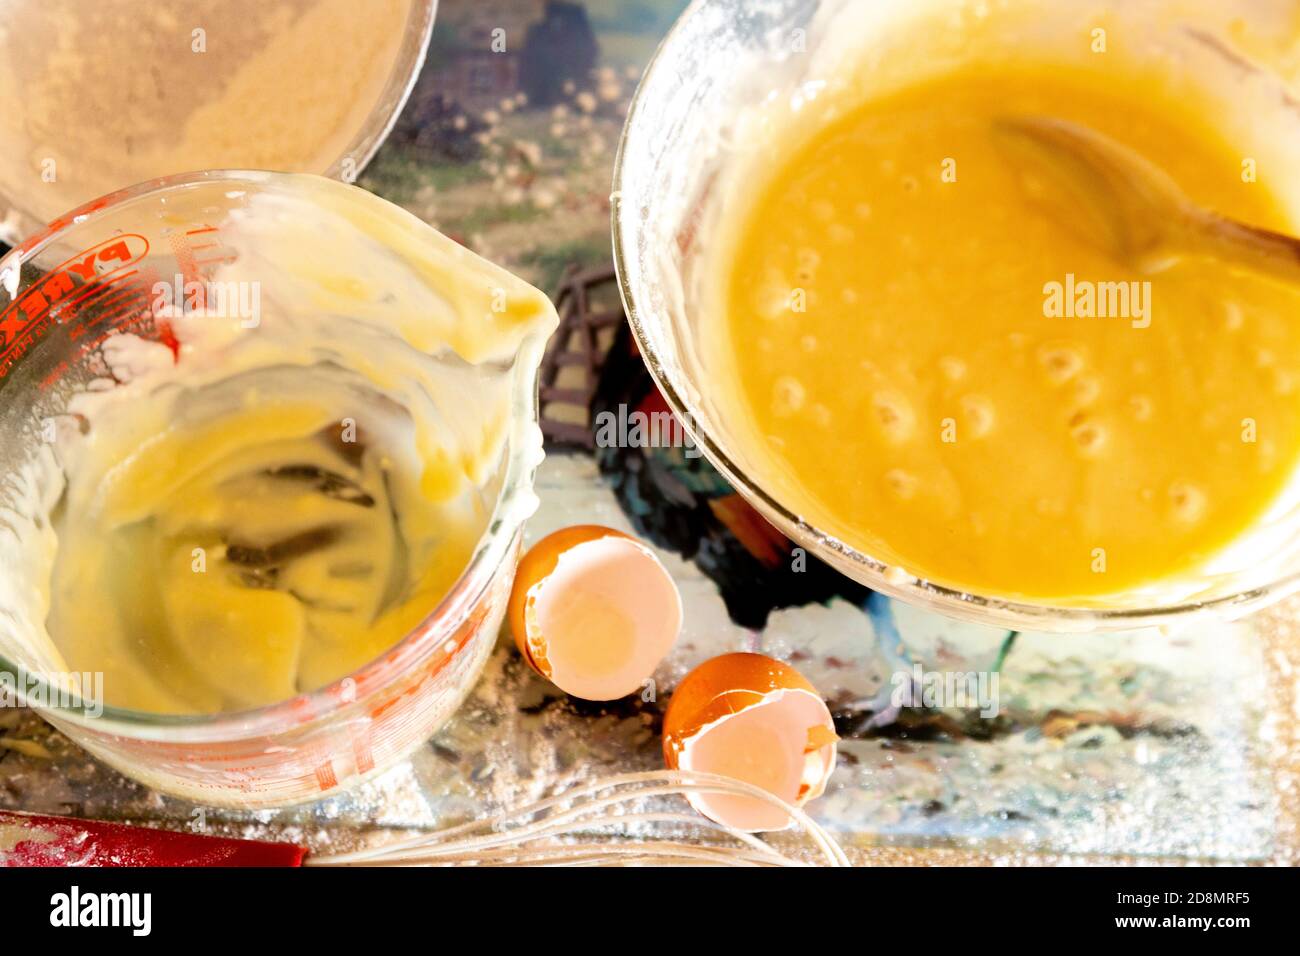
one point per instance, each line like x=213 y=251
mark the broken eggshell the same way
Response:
x=593 y=611
x=754 y=719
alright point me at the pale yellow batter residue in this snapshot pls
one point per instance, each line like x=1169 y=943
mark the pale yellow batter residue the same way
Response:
x=285 y=500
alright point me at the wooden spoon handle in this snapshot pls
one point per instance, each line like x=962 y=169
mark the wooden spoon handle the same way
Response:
x=1260 y=250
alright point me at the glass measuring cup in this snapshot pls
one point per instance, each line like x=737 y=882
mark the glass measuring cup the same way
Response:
x=693 y=148
x=70 y=293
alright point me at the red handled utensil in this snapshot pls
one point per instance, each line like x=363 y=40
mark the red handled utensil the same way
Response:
x=28 y=839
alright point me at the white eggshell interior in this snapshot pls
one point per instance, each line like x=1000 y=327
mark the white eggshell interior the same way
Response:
x=608 y=614
x=763 y=745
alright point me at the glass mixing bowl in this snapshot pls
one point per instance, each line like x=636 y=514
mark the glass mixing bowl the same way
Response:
x=688 y=132
x=99 y=97
x=92 y=274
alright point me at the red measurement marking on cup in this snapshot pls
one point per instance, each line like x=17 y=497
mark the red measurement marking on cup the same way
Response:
x=192 y=268
x=96 y=292
x=191 y=281
x=44 y=303
x=108 y=289
x=200 y=240
x=121 y=304
x=363 y=749
x=326 y=778
x=191 y=291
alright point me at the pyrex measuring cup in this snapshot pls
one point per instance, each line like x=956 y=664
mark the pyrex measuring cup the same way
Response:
x=96 y=279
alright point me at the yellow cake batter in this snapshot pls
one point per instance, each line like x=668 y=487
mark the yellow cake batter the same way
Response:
x=898 y=347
